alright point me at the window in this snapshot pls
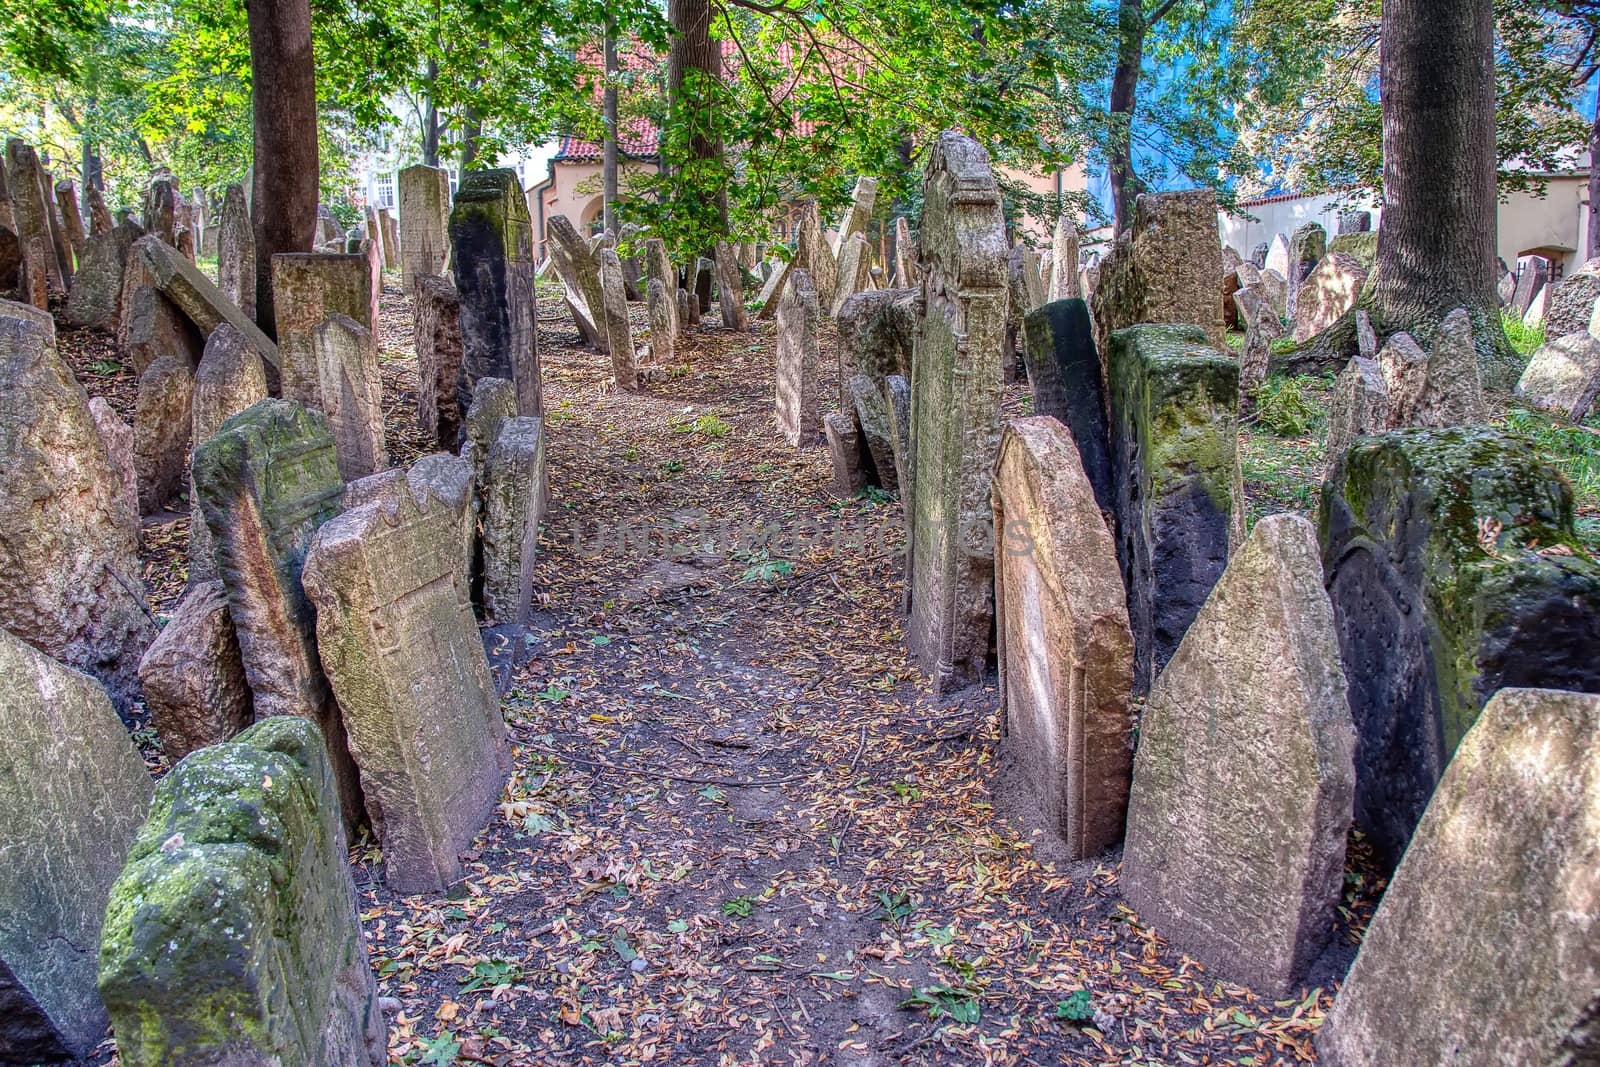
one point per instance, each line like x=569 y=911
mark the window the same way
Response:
x=384 y=189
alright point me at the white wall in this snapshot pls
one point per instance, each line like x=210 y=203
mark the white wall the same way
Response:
x=1287 y=215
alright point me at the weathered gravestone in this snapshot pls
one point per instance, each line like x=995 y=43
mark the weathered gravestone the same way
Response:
x=1164 y=268
x=162 y=420
x=897 y=391
x=351 y=394
x=307 y=288
x=1532 y=274
x=116 y=437
x=730 y=289
x=1360 y=406
x=619 y=332
x=1064 y=369
x=862 y=202
x=149 y=325
x=955 y=414
x=194 y=683
x=66 y=192
x=905 y=254
x=494 y=401
x=876 y=329
x=398 y=639
x=1307 y=245
x=847 y=453
x=1483 y=949
x=814 y=254
x=25 y=179
x=438 y=334
x=492 y=244
x=161 y=210
x=236 y=253
x=1063 y=284
x=1570 y=308
x=389 y=236
x=96 y=294
x=876 y=422
x=1329 y=290
x=663 y=312
x=231 y=378
x=1173 y=428
x=424 y=221
x=1066 y=654
x=854 y=260
x=1564 y=375
x=70 y=580
x=1452 y=390
x=1454 y=572
x=512 y=488
x=658 y=268
x=579 y=272
x=1404 y=366
x=797 y=360
x=266 y=481
x=74 y=791
x=772 y=289
x=100 y=220
x=202 y=304
x=233 y=935
x=1243 y=781
x=1361 y=247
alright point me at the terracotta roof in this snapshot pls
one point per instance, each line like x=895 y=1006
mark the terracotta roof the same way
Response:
x=640 y=140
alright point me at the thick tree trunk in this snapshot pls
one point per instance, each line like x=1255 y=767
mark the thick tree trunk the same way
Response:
x=284 y=205
x=430 y=120
x=1436 y=246
x=1594 y=183
x=694 y=49
x=1131 y=27
x=609 y=166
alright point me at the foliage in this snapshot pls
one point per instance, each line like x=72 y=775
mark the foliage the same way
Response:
x=1524 y=339
x=1076 y=1007
x=1284 y=408
x=1575 y=451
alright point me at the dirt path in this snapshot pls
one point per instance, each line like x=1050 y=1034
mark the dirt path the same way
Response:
x=738 y=831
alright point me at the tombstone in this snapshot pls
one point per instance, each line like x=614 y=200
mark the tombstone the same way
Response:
x=161 y=210
x=1243 y=781
x=161 y=425
x=1485 y=936
x=1258 y=255
x=730 y=290
x=193 y=678
x=1328 y=292
x=1360 y=406
x=1064 y=370
x=1354 y=222
x=75 y=791
x=579 y=272
x=1276 y=289
x=149 y=325
x=1278 y=257
x=512 y=489
x=632 y=235
x=663 y=314
x=1535 y=313
x=493 y=403
x=202 y=303
x=492 y=244
x=905 y=255
x=1064 y=261
x=856 y=216
x=1307 y=246
x=66 y=192
x=955 y=414
x=813 y=254
x=25 y=179
x=233 y=934
x=772 y=290
x=352 y=394
x=59 y=244
x=854 y=260
x=231 y=379
x=1505 y=289
x=619 y=332
x=1571 y=306
x=847 y=453
x=659 y=268
x=1173 y=426
x=438 y=338
x=374 y=231
x=1564 y=375
x=1404 y=366
x=424 y=219
x=236 y=253
x=400 y=645
x=388 y=238
x=876 y=424
x=116 y=436
x=1361 y=247
x=71 y=586
x=265 y=482
x=308 y=288
x=1532 y=275
x=1262 y=327
x=1164 y=268
x=100 y=220
x=688 y=310
x=1454 y=570
x=797 y=362
x=897 y=391
x=1065 y=652
x=96 y=297
x=1366 y=337
x=1452 y=393
x=876 y=332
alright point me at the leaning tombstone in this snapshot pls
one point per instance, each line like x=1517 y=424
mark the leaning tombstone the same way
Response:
x=1571 y=306
x=1064 y=370
x=847 y=453
x=72 y=586
x=512 y=489
x=813 y=253
x=862 y=201
x=619 y=333
x=1360 y=406
x=579 y=272
x=400 y=645
x=1455 y=570
x=231 y=379
x=492 y=249
x=854 y=260
x=100 y=220
x=233 y=935
x=202 y=304
x=797 y=362
x=1330 y=289
x=1243 y=781
x=66 y=191
x=955 y=414
x=1063 y=283
x=1065 y=651
x=1564 y=375
x=658 y=268
x=1483 y=948
x=1164 y=268
x=730 y=290
x=352 y=394
x=161 y=425
x=1173 y=423
x=74 y=791
x=193 y=678
x=438 y=336
x=40 y=270
x=1307 y=245
x=424 y=221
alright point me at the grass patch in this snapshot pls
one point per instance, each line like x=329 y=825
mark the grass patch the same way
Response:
x=1575 y=452
x=1288 y=407
x=1524 y=339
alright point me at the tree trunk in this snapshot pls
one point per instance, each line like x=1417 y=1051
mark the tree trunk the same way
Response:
x=1594 y=184
x=609 y=166
x=430 y=120
x=692 y=102
x=1131 y=27
x=1436 y=246
x=471 y=130
x=286 y=166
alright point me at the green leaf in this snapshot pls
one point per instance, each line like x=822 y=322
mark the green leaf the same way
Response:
x=1077 y=1007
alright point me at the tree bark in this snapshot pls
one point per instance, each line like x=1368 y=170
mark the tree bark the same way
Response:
x=284 y=92
x=1594 y=184
x=609 y=165
x=430 y=120
x=1131 y=26
x=1436 y=246
x=695 y=49
x=471 y=130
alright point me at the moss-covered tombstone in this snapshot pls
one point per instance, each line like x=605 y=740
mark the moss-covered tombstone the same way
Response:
x=232 y=935
x=1175 y=466
x=1454 y=572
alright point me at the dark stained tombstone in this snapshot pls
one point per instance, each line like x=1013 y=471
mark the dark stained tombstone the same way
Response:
x=1064 y=369
x=492 y=241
